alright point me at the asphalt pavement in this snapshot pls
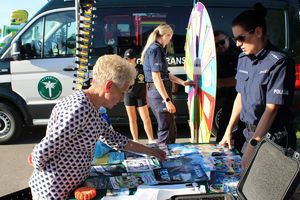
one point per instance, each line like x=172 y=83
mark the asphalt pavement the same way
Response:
x=15 y=171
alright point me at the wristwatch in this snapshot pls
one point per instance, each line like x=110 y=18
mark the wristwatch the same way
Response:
x=253 y=142
x=167 y=99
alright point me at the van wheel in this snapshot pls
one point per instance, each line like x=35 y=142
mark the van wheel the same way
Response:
x=10 y=123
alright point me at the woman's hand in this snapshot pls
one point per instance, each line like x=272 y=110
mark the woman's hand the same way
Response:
x=226 y=139
x=189 y=83
x=140 y=148
x=170 y=107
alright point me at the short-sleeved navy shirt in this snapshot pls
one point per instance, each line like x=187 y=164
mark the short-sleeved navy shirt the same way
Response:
x=155 y=61
x=267 y=78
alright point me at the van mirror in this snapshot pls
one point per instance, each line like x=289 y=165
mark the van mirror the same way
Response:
x=16 y=50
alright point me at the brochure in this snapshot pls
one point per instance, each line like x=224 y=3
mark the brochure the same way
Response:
x=182 y=169
x=137 y=165
x=133 y=180
x=114 y=157
x=224 y=182
x=110 y=169
x=182 y=149
x=227 y=163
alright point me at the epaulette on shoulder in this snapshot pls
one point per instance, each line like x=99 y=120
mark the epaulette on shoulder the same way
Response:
x=242 y=54
x=276 y=55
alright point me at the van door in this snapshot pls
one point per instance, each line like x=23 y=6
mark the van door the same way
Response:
x=46 y=72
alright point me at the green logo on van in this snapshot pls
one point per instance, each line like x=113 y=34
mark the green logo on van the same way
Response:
x=49 y=88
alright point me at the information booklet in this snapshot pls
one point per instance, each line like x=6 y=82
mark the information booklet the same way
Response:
x=114 y=157
x=110 y=170
x=181 y=169
x=133 y=180
x=224 y=181
x=141 y=165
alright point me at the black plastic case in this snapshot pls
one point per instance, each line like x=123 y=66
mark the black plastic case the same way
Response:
x=273 y=174
x=215 y=196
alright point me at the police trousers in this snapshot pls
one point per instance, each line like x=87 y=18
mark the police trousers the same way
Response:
x=166 y=126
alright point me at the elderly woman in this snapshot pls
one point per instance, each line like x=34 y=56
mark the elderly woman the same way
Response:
x=62 y=160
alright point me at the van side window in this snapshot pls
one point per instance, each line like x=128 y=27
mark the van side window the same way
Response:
x=116 y=31
x=60 y=38
x=51 y=36
x=32 y=40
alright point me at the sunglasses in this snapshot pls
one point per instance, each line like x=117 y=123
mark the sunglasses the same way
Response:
x=242 y=38
x=220 y=43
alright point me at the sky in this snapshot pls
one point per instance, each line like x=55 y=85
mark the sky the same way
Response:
x=7 y=6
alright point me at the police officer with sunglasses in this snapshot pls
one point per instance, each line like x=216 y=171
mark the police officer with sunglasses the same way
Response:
x=265 y=85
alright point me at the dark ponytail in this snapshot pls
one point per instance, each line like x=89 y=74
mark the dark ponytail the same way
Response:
x=250 y=19
x=260 y=9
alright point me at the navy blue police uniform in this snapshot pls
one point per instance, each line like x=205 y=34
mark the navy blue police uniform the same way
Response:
x=155 y=61
x=267 y=78
x=136 y=95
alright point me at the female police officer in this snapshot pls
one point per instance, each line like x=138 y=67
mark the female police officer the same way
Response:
x=265 y=84
x=159 y=82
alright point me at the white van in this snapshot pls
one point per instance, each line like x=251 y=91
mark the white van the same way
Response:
x=37 y=68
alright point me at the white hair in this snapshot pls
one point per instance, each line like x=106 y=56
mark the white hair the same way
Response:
x=114 y=68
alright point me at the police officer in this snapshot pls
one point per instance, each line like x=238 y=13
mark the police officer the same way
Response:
x=265 y=85
x=159 y=83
